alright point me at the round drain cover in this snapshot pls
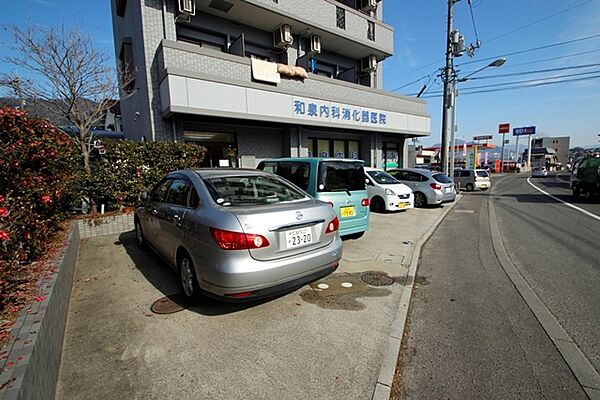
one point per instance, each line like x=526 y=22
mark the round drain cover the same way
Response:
x=377 y=279
x=169 y=305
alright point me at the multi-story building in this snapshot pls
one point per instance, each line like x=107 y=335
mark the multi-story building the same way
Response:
x=251 y=79
x=556 y=153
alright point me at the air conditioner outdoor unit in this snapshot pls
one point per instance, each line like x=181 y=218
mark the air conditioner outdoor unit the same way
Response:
x=282 y=37
x=187 y=7
x=368 y=5
x=315 y=44
x=368 y=64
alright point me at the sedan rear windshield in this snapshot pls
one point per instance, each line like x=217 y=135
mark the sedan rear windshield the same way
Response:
x=442 y=178
x=230 y=191
x=482 y=172
x=337 y=176
x=383 y=178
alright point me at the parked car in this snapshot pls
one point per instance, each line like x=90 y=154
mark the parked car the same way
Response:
x=386 y=193
x=238 y=234
x=539 y=171
x=429 y=187
x=339 y=182
x=471 y=179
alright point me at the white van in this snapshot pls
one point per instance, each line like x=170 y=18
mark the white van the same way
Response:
x=386 y=193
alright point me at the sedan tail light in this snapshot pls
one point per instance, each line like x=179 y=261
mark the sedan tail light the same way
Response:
x=436 y=186
x=228 y=240
x=365 y=202
x=333 y=226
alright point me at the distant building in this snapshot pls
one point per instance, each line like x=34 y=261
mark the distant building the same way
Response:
x=556 y=153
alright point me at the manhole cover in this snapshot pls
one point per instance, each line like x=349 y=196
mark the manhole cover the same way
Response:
x=377 y=279
x=169 y=305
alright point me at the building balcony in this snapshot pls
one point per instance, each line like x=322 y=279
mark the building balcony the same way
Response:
x=343 y=29
x=204 y=81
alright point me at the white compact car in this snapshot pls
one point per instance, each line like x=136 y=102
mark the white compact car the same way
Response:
x=386 y=193
x=539 y=171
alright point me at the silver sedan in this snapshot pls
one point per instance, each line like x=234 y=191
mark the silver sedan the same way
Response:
x=238 y=234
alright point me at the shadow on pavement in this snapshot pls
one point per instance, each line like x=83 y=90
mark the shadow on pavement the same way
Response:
x=158 y=272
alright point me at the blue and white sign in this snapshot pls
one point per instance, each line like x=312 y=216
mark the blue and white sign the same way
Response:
x=527 y=130
x=334 y=112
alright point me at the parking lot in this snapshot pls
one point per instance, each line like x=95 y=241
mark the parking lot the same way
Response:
x=314 y=342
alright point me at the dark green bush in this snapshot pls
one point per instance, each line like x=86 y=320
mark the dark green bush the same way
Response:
x=128 y=168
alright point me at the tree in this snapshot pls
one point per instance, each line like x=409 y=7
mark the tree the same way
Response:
x=72 y=78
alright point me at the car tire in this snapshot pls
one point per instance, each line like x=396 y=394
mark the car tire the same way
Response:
x=377 y=204
x=469 y=187
x=188 y=279
x=420 y=200
x=140 y=239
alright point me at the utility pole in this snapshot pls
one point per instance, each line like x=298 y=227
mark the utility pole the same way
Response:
x=447 y=77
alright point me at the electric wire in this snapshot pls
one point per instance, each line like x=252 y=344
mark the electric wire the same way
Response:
x=473 y=21
x=545 y=59
x=469 y=89
x=437 y=61
x=534 y=82
x=537 y=21
x=539 y=71
x=531 y=49
x=411 y=83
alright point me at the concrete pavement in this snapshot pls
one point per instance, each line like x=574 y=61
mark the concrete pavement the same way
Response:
x=310 y=343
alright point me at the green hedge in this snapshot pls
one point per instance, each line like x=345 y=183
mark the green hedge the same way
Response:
x=128 y=168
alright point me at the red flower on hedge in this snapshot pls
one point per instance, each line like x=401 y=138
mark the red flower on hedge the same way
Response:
x=3 y=212
x=4 y=236
x=1 y=199
x=45 y=199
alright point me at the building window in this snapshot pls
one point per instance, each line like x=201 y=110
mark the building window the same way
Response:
x=371 y=30
x=335 y=148
x=121 y=6
x=340 y=17
x=127 y=66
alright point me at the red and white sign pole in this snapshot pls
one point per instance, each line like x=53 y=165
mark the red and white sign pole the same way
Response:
x=503 y=129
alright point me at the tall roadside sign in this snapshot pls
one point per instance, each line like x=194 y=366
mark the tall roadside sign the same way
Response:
x=526 y=130
x=503 y=129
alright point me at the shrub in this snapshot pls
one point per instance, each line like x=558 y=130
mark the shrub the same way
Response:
x=128 y=168
x=37 y=164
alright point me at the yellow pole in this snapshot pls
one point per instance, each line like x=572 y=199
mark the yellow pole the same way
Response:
x=475 y=160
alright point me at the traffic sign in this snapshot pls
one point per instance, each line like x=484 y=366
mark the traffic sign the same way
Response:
x=504 y=128
x=483 y=137
x=506 y=141
x=527 y=130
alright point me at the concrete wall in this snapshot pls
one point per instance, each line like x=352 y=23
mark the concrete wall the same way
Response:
x=30 y=369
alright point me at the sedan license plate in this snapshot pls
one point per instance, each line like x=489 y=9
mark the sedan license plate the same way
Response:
x=298 y=237
x=402 y=205
x=347 y=211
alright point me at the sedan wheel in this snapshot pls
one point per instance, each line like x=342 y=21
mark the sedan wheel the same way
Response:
x=140 y=240
x=187 y=277
x=420 y=200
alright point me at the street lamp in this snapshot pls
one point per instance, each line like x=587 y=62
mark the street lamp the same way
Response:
x=454 y=93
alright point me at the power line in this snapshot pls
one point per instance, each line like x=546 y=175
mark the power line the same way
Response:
x=437 y=61
x=539 y=71
x=538 y=21
x=532 y=49
x=545 y=59
x=473 y=21
x=533 y=85
x=498 y=85
x=412 y=83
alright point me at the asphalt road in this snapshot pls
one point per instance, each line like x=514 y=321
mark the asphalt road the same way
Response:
x=470 y=333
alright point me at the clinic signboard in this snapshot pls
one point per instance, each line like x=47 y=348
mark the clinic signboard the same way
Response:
x=526 y=130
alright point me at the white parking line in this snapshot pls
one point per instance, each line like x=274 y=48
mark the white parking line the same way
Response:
x=564 y=202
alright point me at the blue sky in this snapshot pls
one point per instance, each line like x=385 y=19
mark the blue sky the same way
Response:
x=568 y=109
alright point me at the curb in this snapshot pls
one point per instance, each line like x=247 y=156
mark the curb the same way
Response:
x=383 y=387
